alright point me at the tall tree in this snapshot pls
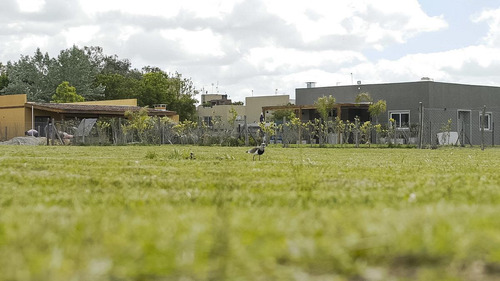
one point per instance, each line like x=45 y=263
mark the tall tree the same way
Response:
x=66 y=93
x=29 y=76
x=78 y=67
x=118 y=86
x=154 y=89
x=4 y=79
x=158 y=87
x=325 y=106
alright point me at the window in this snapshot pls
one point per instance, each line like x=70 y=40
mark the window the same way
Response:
x=401 y=118
x=486 y=121
x=207 y=120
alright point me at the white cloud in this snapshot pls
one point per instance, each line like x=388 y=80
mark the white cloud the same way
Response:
x=254 y=44
x=166 y=9
x=30 y=6
x=202 y=42
x=80 y=35
x=492 y=18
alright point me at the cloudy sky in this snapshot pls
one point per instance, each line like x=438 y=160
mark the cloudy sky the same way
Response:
x=264 y=47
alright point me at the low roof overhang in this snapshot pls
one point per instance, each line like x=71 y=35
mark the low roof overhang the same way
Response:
x=299 y=108
x=99 y=110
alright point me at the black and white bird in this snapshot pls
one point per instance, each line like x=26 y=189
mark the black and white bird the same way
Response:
x=259 y=150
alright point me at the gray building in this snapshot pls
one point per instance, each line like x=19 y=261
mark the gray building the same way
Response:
x=447 y=106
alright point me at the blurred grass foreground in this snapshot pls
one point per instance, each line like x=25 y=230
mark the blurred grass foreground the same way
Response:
x=211 y=213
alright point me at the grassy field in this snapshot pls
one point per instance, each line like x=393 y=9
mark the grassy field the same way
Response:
x=151 y=213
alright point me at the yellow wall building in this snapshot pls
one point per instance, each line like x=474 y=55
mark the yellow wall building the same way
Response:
x=254 y=105
x=17 y=115
x=221 y=112
x=13 y=116
x=252 y=108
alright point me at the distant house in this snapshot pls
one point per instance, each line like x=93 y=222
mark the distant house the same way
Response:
x=217 y=106
x=459 y=104
x=17 y=115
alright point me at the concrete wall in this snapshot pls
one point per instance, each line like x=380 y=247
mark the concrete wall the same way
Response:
x=254 y=105
x=446 y=98
x=399 y=96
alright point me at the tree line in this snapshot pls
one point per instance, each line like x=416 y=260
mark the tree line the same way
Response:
x=88 y=74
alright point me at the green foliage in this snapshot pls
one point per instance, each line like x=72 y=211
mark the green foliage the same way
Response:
x=287 y=113
x=377 y=108
x=97 y=76
x=4 y=79
x=66 y=93
x=233 y=114
x=158 y=87
x=32 y=76
x=118 y=86
x=79 y=66
x=140 y=122
x=324 y=106
x=363 y=97
x=138 y=213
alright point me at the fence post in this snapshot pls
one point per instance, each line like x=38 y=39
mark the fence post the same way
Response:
x=83 y=131
x=492 y=133
x=482 y=127
x=284 y=138
x=161 y=129
x=356 y=131
x=421 y=126
x=52 y=132
x=47 y=129
x=246 y=131
x=430 y=133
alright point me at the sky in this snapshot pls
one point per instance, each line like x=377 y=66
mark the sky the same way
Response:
x=266 y=47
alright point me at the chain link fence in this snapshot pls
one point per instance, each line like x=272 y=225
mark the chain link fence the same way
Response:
x=435 y=127
x=461 y=127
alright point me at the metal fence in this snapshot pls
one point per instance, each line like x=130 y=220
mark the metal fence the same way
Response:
x=435 y=127
x=461 y=127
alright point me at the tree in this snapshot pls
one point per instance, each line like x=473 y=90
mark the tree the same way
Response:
x=325 y=106
x=154 y=88
x=118 y=86
x=278 y=115
x=377 y=108
x=363 y=97
x=4 y=79
x=66 y=93
x=29 y=76
x=158 y=87
x=97 y=76
x=79 y=67
x=139 y=121
x=39 y=75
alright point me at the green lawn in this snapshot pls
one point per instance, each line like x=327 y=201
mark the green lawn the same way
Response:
x=148 y=213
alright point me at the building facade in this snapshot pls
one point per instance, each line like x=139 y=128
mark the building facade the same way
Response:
x=456 y=107
x=253 y=108
x=17 y=115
